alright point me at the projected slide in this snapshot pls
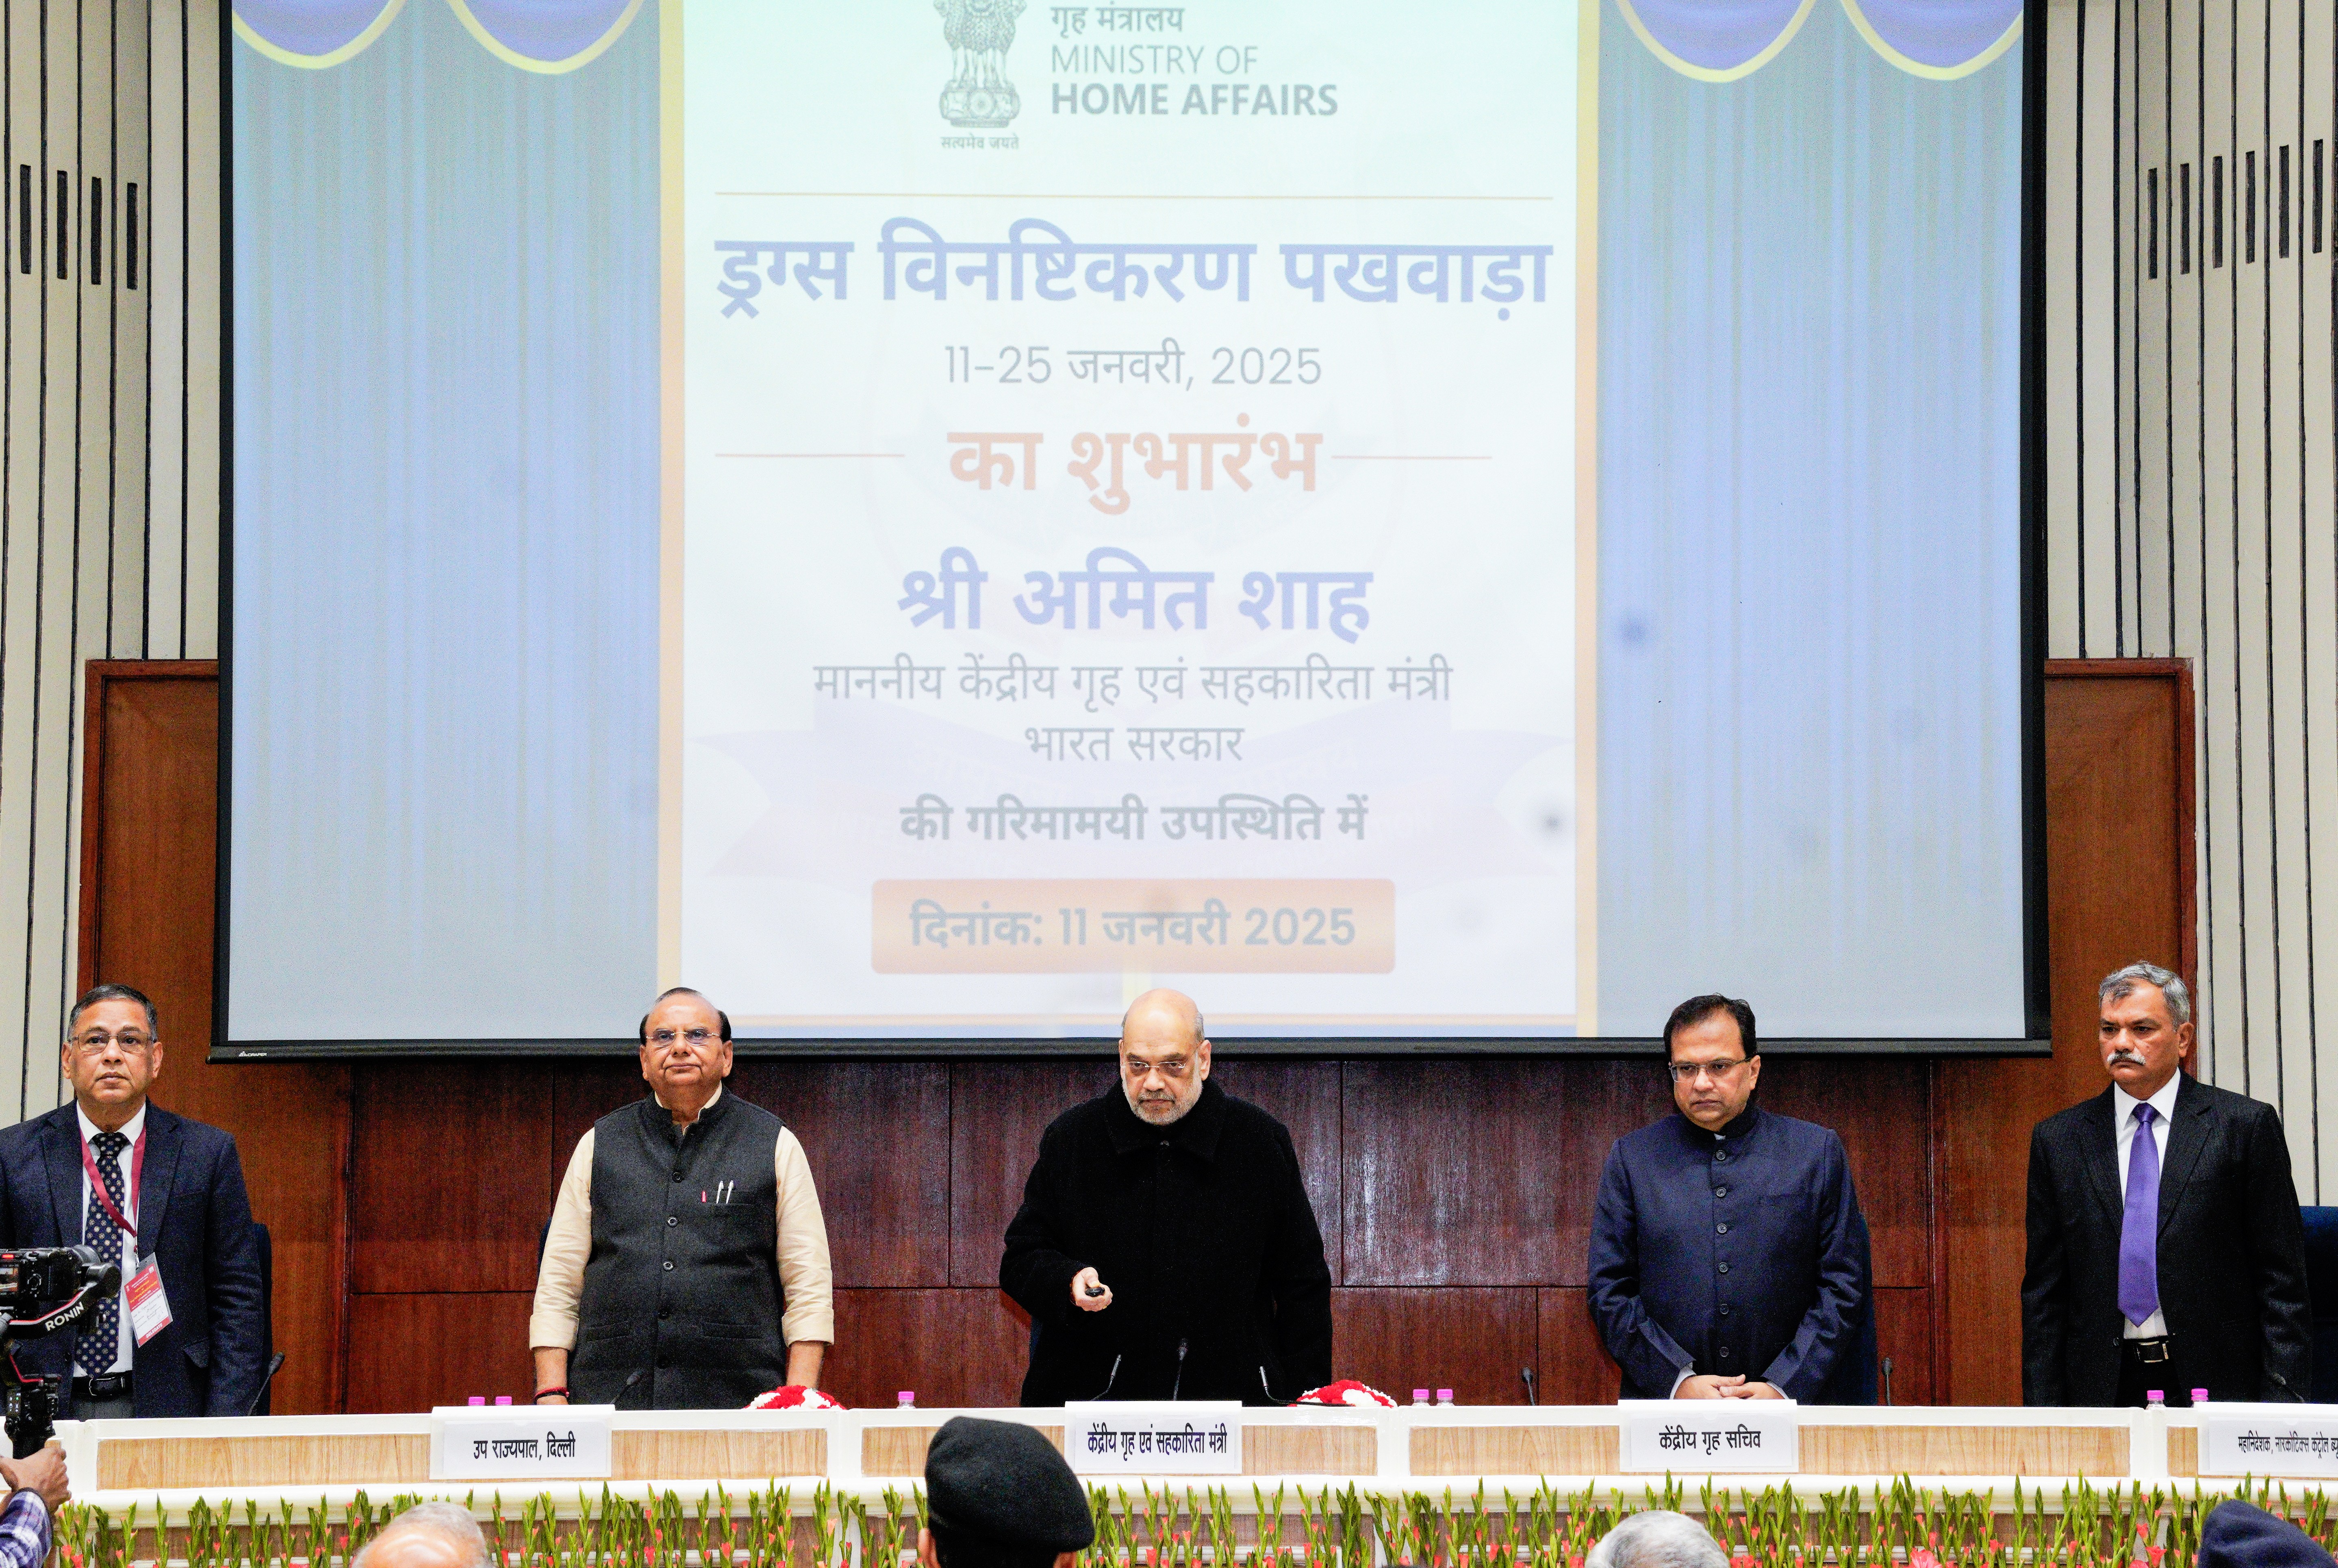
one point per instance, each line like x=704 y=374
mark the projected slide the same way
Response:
x=1128 y=526
x=1444 y=527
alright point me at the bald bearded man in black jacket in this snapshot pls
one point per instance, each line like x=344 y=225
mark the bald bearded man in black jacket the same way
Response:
x=1166 y=1248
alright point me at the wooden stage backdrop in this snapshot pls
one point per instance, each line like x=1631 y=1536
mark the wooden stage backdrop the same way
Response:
x=406 y=1198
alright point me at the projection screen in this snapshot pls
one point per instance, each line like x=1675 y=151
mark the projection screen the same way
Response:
x=1427 y=528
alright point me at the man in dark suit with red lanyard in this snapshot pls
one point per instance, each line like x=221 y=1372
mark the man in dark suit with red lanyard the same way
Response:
x=2165 y=1248
x=160 y=1193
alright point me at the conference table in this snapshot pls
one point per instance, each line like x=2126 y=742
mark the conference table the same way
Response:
x=871 y=1460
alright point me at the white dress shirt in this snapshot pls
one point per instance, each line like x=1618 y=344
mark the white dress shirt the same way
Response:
x=126 y=1162
x=2163 y=1106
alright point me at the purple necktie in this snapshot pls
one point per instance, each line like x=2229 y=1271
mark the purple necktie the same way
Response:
x=2138 y=1288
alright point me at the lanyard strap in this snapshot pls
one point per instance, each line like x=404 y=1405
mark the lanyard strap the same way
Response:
x=97 y=1182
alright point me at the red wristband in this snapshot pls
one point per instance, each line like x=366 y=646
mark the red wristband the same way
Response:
x=541 y=1391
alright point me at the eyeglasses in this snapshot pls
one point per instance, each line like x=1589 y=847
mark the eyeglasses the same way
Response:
x=132 y=1042
x=1690 y=1072
x=666 y=1039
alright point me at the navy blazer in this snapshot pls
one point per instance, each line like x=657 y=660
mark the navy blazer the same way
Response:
x=1742 y=1251
x=194 y=1216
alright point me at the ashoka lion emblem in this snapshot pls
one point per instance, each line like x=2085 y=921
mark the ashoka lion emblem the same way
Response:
x=979 y=32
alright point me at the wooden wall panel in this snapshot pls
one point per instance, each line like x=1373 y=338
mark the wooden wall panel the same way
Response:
x=1903 y=1331
x=1451 y=1172
x=2119 y=773
x=953 y=1348
x=1473 y=1341
x=410 y=1352
x=1572 y=1366
x=452 y=1183
x=582 y=1093
x=150 y=809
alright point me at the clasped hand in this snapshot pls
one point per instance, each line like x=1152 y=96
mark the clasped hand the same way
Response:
x=1708 y=1386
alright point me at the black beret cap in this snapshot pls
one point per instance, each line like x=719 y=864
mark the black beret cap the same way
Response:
x=1002 y=1482
x=2241 y=1535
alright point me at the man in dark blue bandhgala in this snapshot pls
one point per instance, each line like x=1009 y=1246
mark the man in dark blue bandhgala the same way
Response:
x=1729 y=1260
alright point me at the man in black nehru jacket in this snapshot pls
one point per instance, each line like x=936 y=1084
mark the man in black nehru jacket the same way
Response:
x=1166 y=1248
x=999 y=1496
x=686 y=1264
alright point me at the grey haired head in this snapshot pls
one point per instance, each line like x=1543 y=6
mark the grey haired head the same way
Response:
x=1658 y=1538
x=2120 y=984
x=450 y=1521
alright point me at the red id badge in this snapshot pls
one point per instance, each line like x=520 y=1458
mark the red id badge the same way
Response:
x=150 y=1309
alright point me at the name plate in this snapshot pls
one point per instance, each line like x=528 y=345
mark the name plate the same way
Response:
x=1194 y=1437
x=501 y=1443
x=2269 y=1440
x=1724 y=1436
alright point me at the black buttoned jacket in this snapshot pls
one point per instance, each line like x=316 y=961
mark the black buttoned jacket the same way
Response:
x=2232 y=1253
x=1204 y=1233
x=1743 y=1252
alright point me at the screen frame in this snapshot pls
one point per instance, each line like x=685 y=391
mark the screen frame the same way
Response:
x=2037 y=976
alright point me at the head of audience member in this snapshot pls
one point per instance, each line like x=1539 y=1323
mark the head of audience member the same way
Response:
x=1164 y=1056
x=685 y=1051
x=2145 y=1028
x=426 y=1535
x=1714 y=1058
x=2242 y=1535
x=113 y=1051
x=999 y=1496
x=1658 y=1538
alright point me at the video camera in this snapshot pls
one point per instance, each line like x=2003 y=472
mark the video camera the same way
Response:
x=44 y=1290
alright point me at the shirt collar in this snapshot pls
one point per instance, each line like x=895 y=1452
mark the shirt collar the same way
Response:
x=2163 y=1103
x=1732 y=1131
x=702 y=1109
x=133 y=1130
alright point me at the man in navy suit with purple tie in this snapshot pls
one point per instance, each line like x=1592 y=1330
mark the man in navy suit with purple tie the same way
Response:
x=2165 y=1248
